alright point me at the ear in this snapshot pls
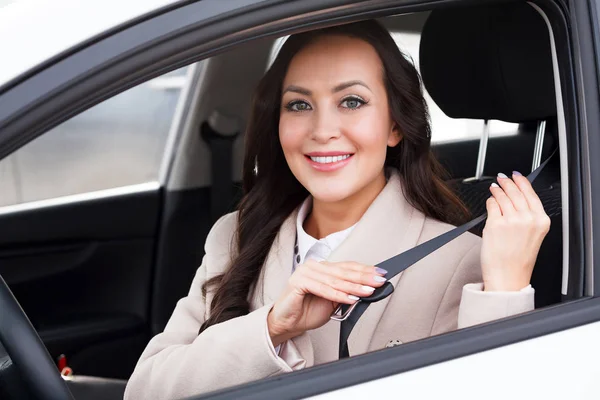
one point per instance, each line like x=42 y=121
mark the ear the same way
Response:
x=395 y=136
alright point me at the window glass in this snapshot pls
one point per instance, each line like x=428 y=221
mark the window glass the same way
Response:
x=117 y=143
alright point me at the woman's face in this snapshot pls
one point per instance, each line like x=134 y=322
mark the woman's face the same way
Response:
x=335 y=123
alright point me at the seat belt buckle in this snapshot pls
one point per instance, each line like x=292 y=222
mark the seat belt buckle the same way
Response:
x=340 y=316
x=378 y=295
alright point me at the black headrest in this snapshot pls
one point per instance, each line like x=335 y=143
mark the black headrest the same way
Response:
x=491 y=62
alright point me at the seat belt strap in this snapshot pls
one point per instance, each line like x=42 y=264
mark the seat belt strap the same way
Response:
x=220 y=132
x=350 y=314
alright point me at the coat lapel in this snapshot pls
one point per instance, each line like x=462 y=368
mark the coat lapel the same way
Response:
x=389 y=227
x=278 y=265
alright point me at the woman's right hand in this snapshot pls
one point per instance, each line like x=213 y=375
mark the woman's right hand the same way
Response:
x=314 y=291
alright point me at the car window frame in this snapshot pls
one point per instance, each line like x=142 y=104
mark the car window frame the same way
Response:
x=32 y=114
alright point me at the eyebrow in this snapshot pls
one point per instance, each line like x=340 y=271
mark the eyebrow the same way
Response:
x=337 y=88
x=346 y=85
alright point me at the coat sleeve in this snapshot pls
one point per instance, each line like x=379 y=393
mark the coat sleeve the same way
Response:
x=466 y=304
x=180 y=363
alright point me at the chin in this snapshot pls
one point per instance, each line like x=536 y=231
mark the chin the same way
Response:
x=331 y=193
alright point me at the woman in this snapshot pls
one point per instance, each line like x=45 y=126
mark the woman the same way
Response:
x=338 y=176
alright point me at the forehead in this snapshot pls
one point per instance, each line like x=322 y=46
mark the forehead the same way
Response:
x=332 y=59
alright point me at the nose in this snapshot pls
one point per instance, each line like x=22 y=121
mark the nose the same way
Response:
x=326 y=127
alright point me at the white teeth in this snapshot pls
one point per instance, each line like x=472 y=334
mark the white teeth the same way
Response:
x=329 y=160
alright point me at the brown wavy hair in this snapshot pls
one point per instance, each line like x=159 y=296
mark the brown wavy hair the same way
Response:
x=271 y=192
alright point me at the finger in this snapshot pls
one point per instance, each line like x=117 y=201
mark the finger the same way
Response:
x=506 y=206
x=513 y=192
x=342 y=285
x=493 y=209
x=324 y=291
x=533 y=200
x=350 y=272
x=354 y=266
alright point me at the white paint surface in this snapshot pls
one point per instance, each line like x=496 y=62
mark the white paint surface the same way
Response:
x=564 y=365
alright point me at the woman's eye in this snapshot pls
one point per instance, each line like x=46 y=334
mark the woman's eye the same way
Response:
x=353 y=103
x=298 y=106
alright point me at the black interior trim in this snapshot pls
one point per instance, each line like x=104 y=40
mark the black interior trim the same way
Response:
x=112 y=218
x=586 y=24
x=94 y=328
x=82 y=273
x=559 y=19
x=185 y=223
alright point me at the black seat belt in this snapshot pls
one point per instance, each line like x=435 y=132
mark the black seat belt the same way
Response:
x=219 y=132
x=350 y=314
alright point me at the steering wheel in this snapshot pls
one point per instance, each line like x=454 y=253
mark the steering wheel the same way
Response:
x=27 y=352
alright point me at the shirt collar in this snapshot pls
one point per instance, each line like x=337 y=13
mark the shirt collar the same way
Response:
x=305 y=241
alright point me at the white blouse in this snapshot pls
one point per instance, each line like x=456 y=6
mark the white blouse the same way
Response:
x=307 y=247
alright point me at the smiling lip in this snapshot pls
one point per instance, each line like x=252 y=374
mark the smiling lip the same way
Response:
x=328 y=153
x=331 y=166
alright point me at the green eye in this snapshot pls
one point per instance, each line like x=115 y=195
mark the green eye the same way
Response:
x=298 y=106
x=353 y=103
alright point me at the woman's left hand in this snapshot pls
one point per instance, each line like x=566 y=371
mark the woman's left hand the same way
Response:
x=513 y=234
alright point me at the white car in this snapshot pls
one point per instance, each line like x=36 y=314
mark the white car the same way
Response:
x=108 y=187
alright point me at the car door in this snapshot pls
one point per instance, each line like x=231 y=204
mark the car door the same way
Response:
x=79 y=218
x=191 y=31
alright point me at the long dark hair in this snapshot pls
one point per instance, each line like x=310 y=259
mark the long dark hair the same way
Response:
x=271 y=190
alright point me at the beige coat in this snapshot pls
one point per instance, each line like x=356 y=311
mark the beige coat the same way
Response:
x=429 y=299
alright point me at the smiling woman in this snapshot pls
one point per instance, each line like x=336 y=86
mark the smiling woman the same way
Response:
x=340 y=137
x=327 y=112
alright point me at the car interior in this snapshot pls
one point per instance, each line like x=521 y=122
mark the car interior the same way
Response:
x=99 y=277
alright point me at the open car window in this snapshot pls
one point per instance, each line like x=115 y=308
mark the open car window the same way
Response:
x=187 y=187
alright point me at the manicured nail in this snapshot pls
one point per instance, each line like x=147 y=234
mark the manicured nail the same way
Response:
x=381 y=271
x=517 y=173
x=353 y=297
x=494 y=185
x=368 y=289
x=501 y=175
x=378 y=278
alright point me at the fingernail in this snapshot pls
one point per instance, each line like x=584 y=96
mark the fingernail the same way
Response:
x=517 y=173
x=494 y=185
x=353 y=297
x=368 y=289
x=381 y=271
x=378 y=278
x=501 y=175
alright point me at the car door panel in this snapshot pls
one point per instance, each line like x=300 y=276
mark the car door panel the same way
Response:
x=82 y=273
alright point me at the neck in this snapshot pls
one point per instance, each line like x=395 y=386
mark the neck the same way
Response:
x=330 y=217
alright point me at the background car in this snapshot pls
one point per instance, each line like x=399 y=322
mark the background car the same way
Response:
x=108 y=188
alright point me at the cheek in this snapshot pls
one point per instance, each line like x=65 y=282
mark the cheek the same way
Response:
x=291 y=133
x=370 y=132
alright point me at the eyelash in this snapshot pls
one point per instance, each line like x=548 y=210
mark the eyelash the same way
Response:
x=360 y=100
x=292 y=103
x=289 y=106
